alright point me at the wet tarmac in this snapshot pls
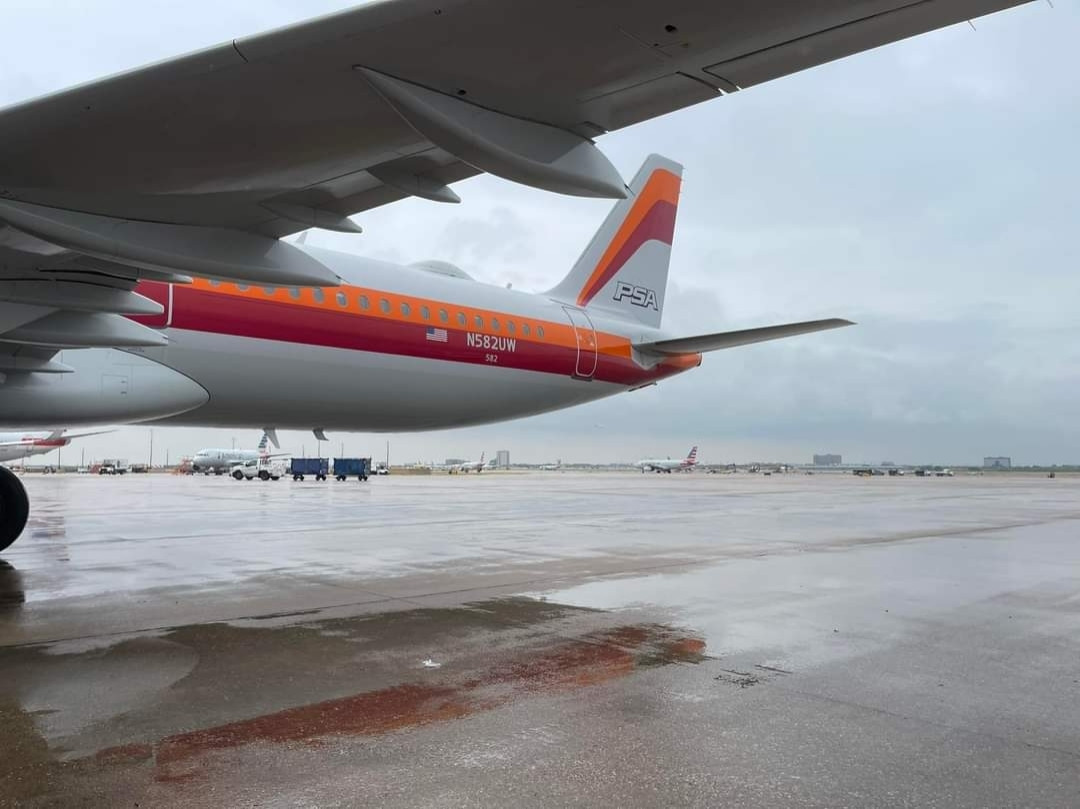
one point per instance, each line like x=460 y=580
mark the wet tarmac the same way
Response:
x=547 y=639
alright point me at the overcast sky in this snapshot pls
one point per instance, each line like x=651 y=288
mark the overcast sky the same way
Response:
x=927 y=190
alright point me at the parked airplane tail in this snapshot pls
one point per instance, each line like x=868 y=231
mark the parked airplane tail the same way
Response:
x=691 y=459
x=624 y=270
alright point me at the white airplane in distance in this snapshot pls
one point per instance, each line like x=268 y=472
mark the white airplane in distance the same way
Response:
x=220 y=461
x=668 y=464
x=19 y=446
x=473 y=466
x=144 y=275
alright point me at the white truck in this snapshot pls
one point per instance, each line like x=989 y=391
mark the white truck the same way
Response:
x=263 y=470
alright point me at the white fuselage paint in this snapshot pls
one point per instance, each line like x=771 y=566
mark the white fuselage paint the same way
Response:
x=293 y=386
x=222 y=460
x=665 y=464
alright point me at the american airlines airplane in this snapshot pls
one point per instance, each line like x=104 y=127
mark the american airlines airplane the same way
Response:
x=20 y=446
x=220 y=461
x=668 y=464
x=472 y=466
x=144 y=275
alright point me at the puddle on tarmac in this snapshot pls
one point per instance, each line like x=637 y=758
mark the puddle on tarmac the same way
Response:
x=365 y=673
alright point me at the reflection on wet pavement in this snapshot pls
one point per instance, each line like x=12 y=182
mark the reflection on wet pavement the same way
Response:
x=12 y=588
x=148 y=688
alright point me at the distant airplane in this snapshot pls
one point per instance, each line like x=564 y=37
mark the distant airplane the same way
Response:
x=18 y=446
x=220 y=461
x=667 y=464
x=472 y=466
x=552 y=467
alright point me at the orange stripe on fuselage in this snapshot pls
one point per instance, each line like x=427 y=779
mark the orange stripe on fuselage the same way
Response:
x=554 y=333
x=663 y=186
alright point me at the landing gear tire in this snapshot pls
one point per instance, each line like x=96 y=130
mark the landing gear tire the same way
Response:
x=14 y=507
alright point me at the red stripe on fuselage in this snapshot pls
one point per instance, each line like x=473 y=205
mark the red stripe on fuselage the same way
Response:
x=210 y=311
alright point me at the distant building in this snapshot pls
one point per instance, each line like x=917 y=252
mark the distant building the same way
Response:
x=502 y=459
x=828 y=460
x=997 y=462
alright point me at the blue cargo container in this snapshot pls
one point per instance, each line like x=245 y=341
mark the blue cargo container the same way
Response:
x=352 y=467
x=318 y=467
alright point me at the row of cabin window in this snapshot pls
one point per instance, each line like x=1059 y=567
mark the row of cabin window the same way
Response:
x=406 y=310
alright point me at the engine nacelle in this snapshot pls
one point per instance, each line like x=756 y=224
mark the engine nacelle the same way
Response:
x=107 y=386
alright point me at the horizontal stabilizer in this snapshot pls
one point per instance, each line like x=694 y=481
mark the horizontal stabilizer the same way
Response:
x=732 y=339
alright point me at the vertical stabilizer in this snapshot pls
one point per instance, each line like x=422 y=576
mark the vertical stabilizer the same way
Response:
x=624 y=270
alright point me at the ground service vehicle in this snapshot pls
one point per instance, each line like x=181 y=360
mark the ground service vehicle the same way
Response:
x=352 y=467
x=318 y=468
x=271 y=470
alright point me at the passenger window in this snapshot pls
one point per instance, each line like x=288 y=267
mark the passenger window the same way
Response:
x=342 y=300
x=494 y=324
x=479 y=321
x=425 y=313
x=525 y=329
x=510 y=327
x=406 y=309
x=443 y=316
x=540 y=332
x=294 y=293
x=319 y=295
x=365 y=304
x=461 y=318
x=384 y=304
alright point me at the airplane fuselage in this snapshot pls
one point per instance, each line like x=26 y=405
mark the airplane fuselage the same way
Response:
x=393 y=348
x=18 y=446
x=222 y=460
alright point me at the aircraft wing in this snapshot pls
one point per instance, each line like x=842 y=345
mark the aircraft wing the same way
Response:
x=732 y=339
x=198 y=165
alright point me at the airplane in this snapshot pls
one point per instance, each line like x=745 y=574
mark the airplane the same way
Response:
x=19 y=446
x=144 y=271
x=667 y=464
x=220 y=461
x=552 y=467
x=472 y=466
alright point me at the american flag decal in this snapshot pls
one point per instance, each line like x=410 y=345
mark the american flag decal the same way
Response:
x=436 y=335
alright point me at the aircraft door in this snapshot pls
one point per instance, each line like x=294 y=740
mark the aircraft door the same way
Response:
x=585 y=336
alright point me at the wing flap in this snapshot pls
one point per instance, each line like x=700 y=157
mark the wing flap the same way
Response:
x=211 y=252
x=733 y=339
x=850 y=38
x=67 y=329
